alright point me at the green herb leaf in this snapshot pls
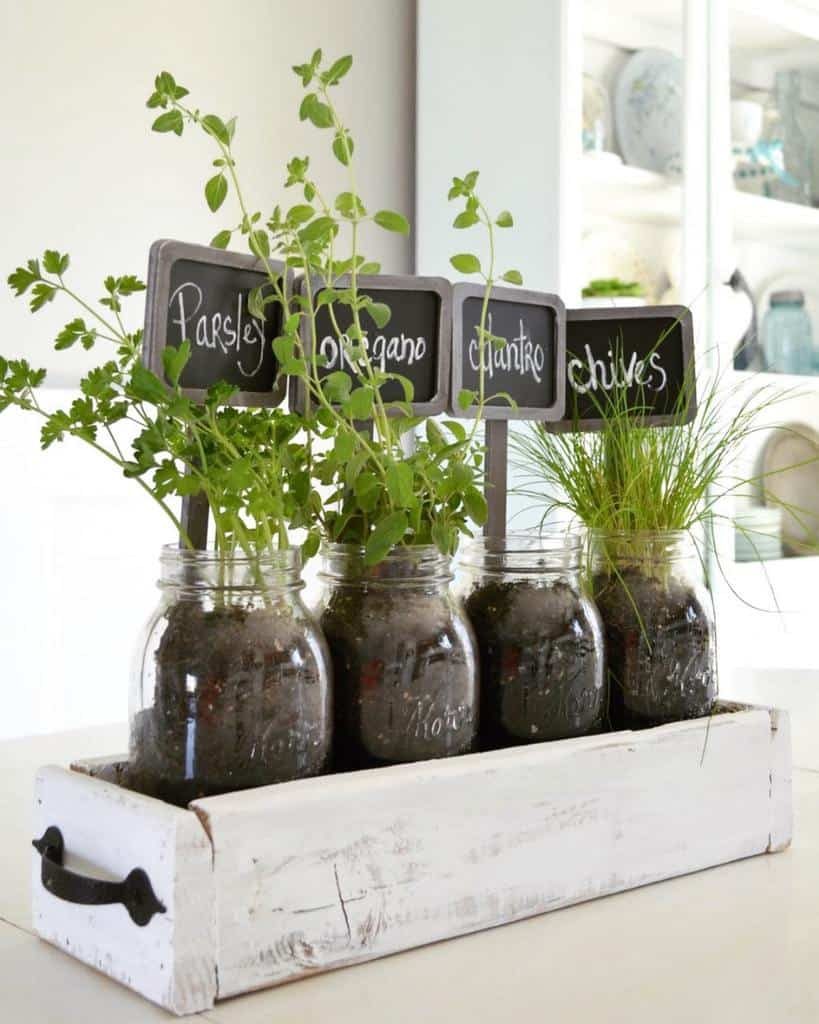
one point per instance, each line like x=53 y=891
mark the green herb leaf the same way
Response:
x=55 y=262
x=466 y=398
x=174 y=361
x=221 y=240
x=21 y=279
x=466 y=263
x=380 y=313
x=399 y=484
x=475 y=505
x=389 y=532
x=392 y=221
x=312 y=109
x=129 y=284
x=75 y=331
x=170 y=121
x=216 y=190
x=359 y=406
x=146 y=386
x=504 y=219
x=350 y=206
x=300 y=214
x=311 y=545
x=465 y=219
x=344 y=446
x=337 y=386
x=338 y=70
x=41 y=293
x=284 y=349
x=513 y=277
x=318 y=229
x=216 y=127
x=444 y=537
x=259 y=243
x=305 y=73
x=343 y=147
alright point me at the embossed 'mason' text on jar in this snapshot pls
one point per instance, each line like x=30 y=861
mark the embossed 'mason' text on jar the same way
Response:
x=404 y=657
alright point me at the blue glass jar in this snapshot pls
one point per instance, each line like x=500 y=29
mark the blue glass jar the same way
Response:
x=787 y=338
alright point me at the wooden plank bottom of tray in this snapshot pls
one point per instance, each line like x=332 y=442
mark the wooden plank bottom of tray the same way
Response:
x=268 y=885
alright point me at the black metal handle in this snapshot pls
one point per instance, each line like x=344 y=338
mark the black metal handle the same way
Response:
x=135 y=892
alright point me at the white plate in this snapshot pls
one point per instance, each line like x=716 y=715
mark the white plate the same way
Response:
x=648 y=111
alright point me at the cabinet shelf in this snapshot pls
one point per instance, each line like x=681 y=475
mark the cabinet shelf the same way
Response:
x=796 y=382
x=618 y=191
x=757 y=218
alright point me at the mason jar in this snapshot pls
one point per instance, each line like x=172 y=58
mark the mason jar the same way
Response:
x=232 y=686
x=539 y=636
x=404 y=657
x=658 y=618
x=787 y=337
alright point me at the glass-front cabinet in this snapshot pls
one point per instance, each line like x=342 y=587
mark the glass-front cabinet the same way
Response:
x=677 y=161
x=699 y=150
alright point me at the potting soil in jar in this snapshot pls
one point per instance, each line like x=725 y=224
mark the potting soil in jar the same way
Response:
x=539 y=638
x=404 y=658
x=659 y=628
x=233 y=687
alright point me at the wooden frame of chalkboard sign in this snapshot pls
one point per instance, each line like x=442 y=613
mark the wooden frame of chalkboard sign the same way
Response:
x=532 y=361
x=180 y=271
x=527 y=357
x=416 y=302
x=589 y=337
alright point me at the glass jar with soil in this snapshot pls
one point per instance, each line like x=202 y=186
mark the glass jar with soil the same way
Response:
x=404 y=657
x=232 y=687
x=658 y=619
x=539 y=636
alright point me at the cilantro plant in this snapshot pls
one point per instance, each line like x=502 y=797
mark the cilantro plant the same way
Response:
x=379 y=495
x=247 y=462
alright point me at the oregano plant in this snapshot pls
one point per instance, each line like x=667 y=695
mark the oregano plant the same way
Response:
x=378 y=491
x=267 y=472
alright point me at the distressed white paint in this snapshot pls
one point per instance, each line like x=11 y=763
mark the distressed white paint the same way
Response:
x=108 y=831
x=325 y=872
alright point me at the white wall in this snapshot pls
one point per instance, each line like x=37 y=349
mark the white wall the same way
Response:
x=82 y=172
x=498 y=93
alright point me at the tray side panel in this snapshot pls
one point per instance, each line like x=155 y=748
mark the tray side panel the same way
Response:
x=333 y=871
x=781 y=802
x=108 y=831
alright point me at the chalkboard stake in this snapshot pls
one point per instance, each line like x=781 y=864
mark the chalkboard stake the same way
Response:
x=497 y=444
x=194 y=520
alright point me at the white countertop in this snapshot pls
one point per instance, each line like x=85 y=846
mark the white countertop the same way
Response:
x=735 y=943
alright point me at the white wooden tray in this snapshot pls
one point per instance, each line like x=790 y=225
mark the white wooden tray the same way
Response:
x=273 y=884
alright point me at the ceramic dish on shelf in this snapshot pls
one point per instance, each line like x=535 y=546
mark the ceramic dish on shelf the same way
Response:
x=790 y=462
x=758 y=536
x=648 y=111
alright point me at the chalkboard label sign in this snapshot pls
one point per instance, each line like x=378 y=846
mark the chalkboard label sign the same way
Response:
x=529 y=367
x=648 y=351
x=200 y=294
x=414 y=343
